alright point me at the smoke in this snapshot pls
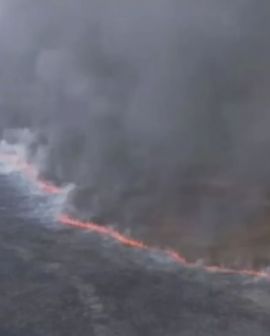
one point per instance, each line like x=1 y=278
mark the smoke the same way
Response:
x=156 y=110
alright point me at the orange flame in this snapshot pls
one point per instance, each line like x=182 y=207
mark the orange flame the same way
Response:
x=32 y=173
x=108 y=232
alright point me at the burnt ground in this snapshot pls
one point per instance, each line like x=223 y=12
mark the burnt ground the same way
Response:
x=57 y=281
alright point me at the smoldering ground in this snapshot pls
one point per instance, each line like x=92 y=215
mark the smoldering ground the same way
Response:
x=156 y=110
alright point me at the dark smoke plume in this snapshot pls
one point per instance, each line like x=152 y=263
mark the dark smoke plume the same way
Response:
x=158 y=110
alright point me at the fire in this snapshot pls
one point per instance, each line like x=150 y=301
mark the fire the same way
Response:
x=102 y=230
x=107 y=232
x=48 y=187
x=30 y=171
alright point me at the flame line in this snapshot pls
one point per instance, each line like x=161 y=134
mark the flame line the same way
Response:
x=48 y=187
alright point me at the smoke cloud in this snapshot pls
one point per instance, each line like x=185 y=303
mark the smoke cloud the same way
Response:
x=156 y=109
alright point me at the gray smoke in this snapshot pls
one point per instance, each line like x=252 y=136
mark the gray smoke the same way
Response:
x=156 y=109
